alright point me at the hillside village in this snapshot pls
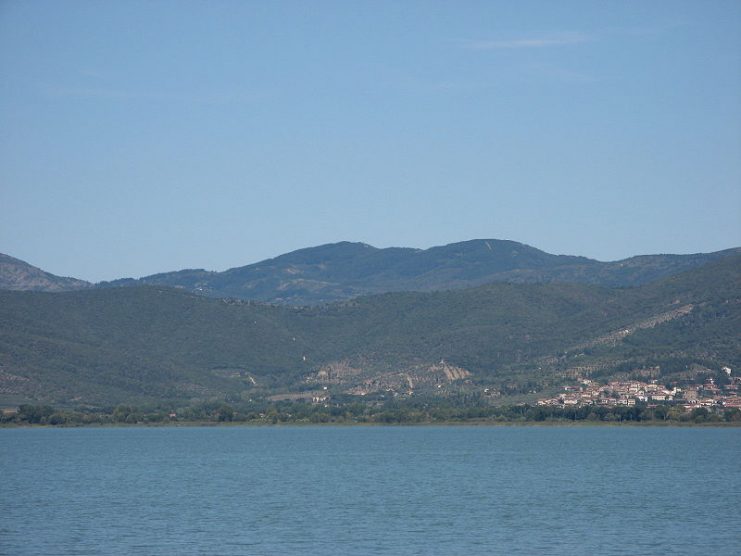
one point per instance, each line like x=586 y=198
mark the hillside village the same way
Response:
x=629 y=393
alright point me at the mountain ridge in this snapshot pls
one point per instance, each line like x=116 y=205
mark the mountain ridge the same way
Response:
x=119 y=345
x=344 y=270
x=338 y=271
x=18 y=275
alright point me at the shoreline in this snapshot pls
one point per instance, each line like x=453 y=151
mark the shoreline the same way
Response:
x=298 y=424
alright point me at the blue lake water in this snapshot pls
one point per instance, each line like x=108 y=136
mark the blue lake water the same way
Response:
x=370 y=490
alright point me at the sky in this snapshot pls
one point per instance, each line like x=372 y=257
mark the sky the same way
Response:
x=143 y=137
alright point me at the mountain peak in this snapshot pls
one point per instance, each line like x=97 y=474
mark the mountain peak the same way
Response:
x=16 y=274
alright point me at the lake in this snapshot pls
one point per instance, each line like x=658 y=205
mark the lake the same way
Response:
x=370 y=490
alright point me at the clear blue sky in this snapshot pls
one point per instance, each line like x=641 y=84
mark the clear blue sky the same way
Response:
x=138 y=137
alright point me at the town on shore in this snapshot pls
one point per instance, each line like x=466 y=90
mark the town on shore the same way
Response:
x=688 y=396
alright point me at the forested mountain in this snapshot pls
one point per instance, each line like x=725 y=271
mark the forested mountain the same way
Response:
x=155 y=343
x=345 y=270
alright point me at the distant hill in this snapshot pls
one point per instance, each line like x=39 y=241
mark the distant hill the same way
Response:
x=154 y=343
x=345 y=270
x=18 y=275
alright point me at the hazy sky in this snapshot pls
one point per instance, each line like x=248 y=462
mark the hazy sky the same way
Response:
x=138 y=137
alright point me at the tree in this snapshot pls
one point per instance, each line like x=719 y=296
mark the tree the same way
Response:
x=700 y=415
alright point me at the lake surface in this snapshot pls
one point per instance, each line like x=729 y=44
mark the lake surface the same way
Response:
x=370 y=490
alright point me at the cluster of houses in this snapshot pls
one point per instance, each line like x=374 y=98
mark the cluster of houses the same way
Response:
x=629 y=393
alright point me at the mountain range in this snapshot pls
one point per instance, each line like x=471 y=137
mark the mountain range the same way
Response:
x=345 y=270
x=154 y=343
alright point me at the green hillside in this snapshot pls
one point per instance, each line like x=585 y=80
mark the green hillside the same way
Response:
x=133 y=345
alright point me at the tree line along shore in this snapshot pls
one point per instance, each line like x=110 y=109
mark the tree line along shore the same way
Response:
x=408 y=414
